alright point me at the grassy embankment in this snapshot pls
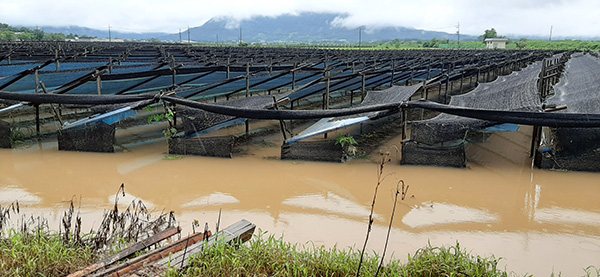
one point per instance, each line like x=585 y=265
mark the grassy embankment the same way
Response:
x=50 y=255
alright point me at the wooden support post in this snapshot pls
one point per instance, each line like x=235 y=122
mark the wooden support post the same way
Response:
x=535 y=140
x=228 y=70
x=462 y=74
x=393 y=72
x=247 y=79
x=174 y=77
x=247 y=127
x=404 y=123
x=363 y=88
x=56 y=58
x=98 y=82
x=294 y=77
x=446 y=92
x=428 y=72
x=37 y=119
x=424 y=95
x=37 y=81
x=327 y=88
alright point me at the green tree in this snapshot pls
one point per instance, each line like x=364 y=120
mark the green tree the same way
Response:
x=491 y=33
x=54 y=37
x=7 y=36
x=521 y=44
x=25 y=36
x=38 y=34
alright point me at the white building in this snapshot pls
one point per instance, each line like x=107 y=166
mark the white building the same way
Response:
x=495 y=43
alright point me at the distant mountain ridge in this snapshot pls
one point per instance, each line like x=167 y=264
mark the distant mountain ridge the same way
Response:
x=302 y=28
x=307 y=27
x=85 y=31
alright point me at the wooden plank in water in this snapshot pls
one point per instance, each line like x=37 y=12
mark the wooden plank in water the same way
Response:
x=155 y=255
x=128 y=252
x=239 y=231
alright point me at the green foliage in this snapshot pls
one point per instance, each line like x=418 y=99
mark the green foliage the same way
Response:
x=275 y=257
x=243 y=44
x=9 y=33
x=269 y=256
x=348 y=144
x=490 y=33
x=169 y=115
x=54 y=37
x=38 y=34
x=7 y=36
x=434 y=43
x=451 y=261
x=521 y=44
x=41 y=255
x=345 y=140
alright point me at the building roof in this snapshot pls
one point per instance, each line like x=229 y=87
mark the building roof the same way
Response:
x=495 y=39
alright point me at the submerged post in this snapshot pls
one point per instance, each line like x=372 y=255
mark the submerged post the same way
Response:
x=37 y=119
x=404 y=123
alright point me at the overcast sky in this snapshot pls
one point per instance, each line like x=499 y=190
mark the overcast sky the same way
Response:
x=509 y=17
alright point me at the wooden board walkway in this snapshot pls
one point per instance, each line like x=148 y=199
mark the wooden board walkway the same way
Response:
x=174 y=255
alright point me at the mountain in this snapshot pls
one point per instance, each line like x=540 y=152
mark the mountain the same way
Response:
x=301 y=28
x=84 y=31
x=305 y=27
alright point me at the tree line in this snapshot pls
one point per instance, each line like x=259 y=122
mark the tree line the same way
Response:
x=10 y=33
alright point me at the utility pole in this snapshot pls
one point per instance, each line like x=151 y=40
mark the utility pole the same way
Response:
x=179 y=35
x=359 y=36
x=217 y=39
x=550 y=39
x=189 y=40
x=109 y=36
x=240 y=35
x=458 y=34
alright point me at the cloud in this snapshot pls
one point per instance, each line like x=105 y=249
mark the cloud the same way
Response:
x=508 y=17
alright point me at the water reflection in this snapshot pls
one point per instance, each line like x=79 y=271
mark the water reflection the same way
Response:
x=329 y=203
x=430 y=214
x=214 y=199
x=499 y=205
x=10 y=194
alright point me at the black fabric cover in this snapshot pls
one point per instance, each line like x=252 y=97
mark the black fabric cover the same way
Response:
x=514 y=92
x=419 y=154
x=97 y=137
x=202 y=146
x=322 y=150
x=5 y=135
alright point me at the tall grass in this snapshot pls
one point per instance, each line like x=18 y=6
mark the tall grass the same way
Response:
x=270 y=256
x=41 y=254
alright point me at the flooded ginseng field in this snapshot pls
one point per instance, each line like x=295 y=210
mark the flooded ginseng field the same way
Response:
x=539 y=222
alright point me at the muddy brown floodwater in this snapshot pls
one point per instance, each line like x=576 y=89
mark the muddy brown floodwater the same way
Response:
x=539 y=222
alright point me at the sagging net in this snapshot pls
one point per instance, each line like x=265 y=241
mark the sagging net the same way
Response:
x=195 y=120
x=579 y=87
x=515 y=92
x=395 y=94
